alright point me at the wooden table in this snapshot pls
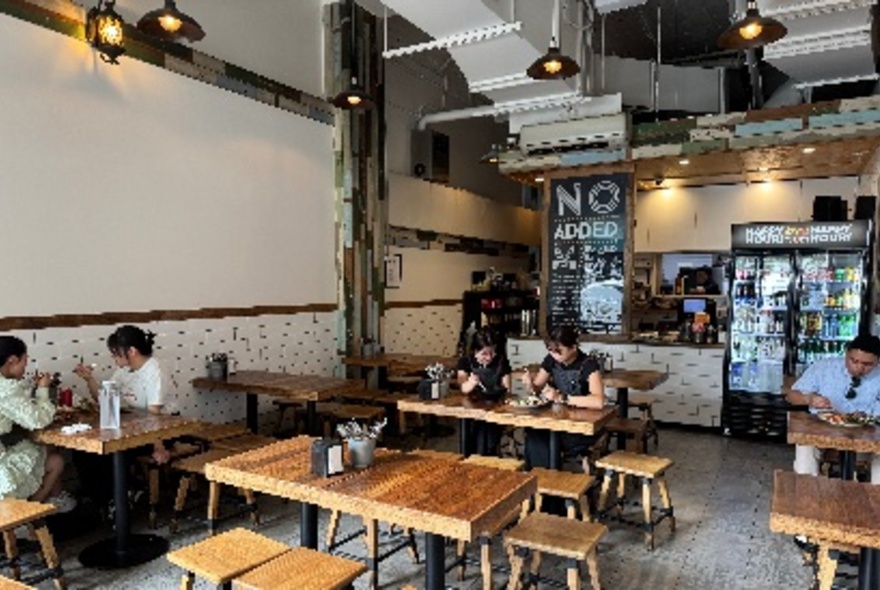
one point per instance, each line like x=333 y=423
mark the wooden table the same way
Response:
x=377 y=365
x=623 y=380
x=138 y=428
x=308 y=388
x=555 y=418
x=442 y=498
x=805 y=429
x=830 y=510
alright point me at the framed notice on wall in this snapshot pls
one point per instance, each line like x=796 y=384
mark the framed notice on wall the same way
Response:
x=587 y=221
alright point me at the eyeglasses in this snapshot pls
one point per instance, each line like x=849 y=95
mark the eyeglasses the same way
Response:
x=853 y=385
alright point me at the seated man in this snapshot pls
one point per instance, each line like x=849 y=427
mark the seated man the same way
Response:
x=848 y=384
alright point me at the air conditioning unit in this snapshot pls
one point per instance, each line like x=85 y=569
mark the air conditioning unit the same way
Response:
x=430 y=155
x=591 y=133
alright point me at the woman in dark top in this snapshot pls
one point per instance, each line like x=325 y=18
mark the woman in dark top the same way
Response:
x=567 y=376
x=484 y=375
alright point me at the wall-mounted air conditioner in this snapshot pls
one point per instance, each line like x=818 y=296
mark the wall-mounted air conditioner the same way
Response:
x=430 y=155
x=591 y=133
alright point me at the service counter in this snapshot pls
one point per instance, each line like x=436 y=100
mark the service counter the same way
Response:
x=691 y=395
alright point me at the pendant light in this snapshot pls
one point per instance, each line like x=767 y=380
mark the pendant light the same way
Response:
x=169 y=24
x=553 y=65
x=753 y=31
x=104 y=31
x=354 y=97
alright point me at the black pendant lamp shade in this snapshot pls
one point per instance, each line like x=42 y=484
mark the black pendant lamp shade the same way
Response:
x=752 y=31
x=354 y=97
x=553 y=65
x=104 y=31
x=169 y=24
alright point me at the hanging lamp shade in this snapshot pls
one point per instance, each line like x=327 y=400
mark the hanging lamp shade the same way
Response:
x=169 y=24
x=104 y=31
x=752 y=31
x=353 y=98
x=553 y=65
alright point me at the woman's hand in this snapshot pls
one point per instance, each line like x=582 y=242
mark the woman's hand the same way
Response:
x=43 y=379
x=819 y=402
x=160 y=454
x=553 y=395
x=474 y=380
x=83 y=371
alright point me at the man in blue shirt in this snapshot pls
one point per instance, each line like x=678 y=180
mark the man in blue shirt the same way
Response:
x=848 y=384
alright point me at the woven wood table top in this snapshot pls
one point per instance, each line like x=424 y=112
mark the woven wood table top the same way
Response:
x=302 y=569
x=642 y=380
x=806 y=429
x=553 y=417
x=222 y=557
x=138 y=428
x=826 y=509
x=296 y=386
x=432 y=495
x=404 y=363
x=17 y=512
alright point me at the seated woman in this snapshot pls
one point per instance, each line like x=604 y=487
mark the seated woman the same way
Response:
x=484 y=375
x=144 y=384
x=567 y=375
x=28 y=471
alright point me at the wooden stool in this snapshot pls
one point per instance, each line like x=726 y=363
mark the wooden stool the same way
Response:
x=645 y=405
x=15 y=513
x=152 y=470
x=649 y=469
x=283 y=405
x=540 y=533
x=504 y=463
x=572 y=487
x=210 y=433
x=302 y=569
x=635 y=429
x=507 y=464
x=7 y=584
x=195 y=466
x=222 y=558
x=432 y=454
x=826 y=561
x=246 y=442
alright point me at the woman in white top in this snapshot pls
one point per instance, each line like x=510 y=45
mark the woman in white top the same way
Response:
x=139 y=376
x=27 y=470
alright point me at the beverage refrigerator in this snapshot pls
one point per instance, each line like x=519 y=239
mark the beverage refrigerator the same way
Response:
x=798 y=293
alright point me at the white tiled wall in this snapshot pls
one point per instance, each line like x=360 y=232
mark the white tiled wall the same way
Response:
x=305 y=343
x=691 y=394
x=422 y=330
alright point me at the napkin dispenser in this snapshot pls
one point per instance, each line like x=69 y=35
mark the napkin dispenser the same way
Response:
x=109 y=400
x=327 y=457
x=429 y=389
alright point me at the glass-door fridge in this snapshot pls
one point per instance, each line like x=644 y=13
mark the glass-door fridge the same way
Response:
x=799 y=292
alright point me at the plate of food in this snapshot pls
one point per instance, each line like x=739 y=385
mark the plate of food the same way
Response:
x=530 y=403
x=847 y=420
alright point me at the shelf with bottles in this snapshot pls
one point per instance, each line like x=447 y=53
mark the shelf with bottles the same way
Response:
x=811 y=351
x=815 y=325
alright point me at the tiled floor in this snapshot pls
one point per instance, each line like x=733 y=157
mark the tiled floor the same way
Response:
x=720 y=488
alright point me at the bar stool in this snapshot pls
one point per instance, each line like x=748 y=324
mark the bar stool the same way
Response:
x=302 y=569
x=15 y=513
x=539 y=533
x=224 y=557
x=649 y=469
x=572 y=487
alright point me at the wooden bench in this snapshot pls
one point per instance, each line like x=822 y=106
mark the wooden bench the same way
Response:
x=224 y=557
x=635 y=430
x=572 y=487
x=194 y=466
x=647 y=468
x=302 y=569
x=540 y=533
x=15 y=513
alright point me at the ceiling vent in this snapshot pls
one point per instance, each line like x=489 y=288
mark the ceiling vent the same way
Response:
x=577 y=134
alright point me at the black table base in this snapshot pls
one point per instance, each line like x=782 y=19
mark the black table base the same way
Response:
x=869 y=559
x=140 y=549
x=435 y=556
x=623 y=412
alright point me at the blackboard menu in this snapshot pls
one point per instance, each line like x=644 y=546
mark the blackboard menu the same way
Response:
x=586 y=240
x=821 y=234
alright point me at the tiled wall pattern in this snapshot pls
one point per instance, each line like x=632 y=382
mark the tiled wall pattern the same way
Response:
x=305 y=342
x=422 y=330
x=691 y=394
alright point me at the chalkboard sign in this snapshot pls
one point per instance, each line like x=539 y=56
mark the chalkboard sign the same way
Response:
x=823 y=234
x=586 y=242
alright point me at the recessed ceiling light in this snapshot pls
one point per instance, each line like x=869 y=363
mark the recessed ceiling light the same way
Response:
x=539 y=179
x=684 y=162
x=809 y=150
x=763 y=169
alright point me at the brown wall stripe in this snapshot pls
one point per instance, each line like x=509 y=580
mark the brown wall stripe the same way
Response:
x=417 y=304
x=140 y=317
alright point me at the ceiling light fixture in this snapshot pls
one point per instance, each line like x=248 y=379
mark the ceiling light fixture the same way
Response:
x=539 y=179
x=553 y=65
x=808 y=150
x=354 y=97
x=752 y=31
x=104 y=31
x=684 y=162
x=169 y=24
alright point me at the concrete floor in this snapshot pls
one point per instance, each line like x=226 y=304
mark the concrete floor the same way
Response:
x=720 y=488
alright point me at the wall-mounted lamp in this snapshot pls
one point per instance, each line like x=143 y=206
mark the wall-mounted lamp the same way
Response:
x=752 y=31
x=354 y=97
x=169 y=24
x=553 y=65
x=104 y=31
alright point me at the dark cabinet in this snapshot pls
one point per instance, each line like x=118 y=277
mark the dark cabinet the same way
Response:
x=501 y=310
